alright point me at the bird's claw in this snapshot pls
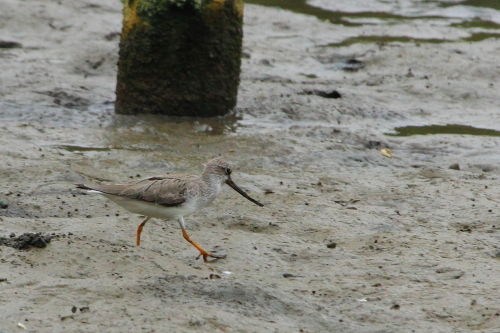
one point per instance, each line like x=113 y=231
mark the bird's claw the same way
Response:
x=213 y=255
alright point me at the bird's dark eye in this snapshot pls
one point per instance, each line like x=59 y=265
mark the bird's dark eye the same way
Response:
x=228 y=171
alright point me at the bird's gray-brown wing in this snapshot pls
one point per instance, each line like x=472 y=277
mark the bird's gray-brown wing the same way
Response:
x=168 y=190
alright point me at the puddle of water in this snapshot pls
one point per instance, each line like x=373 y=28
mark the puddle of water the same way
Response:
x=72 y=148
x=336 y=17
x=480 y=18
x=443 y=129
x=480 y=3
x=159 y=133
x=383 y=39
x=475 y=37
x=167 y=125
x=117 y=132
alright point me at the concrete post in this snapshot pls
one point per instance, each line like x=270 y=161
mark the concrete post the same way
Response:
x=179 y=57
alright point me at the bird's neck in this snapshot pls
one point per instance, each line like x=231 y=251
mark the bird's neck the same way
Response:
x=211 y=180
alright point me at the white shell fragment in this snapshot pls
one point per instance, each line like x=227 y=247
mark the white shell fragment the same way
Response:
x=21 y=325
x=386 y=152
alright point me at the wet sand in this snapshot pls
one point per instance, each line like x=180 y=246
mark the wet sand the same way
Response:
x=348 y=240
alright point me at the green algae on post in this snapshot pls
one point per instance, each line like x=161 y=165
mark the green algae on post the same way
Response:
x=179 y=57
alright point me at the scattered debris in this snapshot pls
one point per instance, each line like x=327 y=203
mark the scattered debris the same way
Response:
x=386 y=152
x=67 y=100
x=494 y=254
x=4 y=44
x=332 y=94
x=352 y=65
x=449 y=273
x=26 y=240
x=112 y=35
x=331 y=245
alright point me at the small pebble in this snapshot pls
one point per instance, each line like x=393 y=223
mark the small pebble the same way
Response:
x=454 y=166
x=331 y=245
x=196 y=322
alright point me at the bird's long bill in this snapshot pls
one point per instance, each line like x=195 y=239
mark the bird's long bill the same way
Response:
x=240 y=191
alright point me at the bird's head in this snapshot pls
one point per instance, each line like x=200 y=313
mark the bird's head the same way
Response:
x=221 y=170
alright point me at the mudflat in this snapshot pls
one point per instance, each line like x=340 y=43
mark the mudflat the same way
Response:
x=349 y=240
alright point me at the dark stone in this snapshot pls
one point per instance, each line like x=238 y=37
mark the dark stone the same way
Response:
x=9 y=45
x=375 y=144
x=332 y=94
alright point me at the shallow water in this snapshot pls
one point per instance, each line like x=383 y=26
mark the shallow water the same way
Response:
x=480 y=19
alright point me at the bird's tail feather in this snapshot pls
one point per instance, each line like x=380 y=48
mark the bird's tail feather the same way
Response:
x=83 y=187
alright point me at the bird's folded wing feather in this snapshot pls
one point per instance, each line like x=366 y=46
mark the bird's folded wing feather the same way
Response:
x=167 y=190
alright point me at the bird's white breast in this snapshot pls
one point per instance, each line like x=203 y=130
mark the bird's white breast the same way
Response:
x=150 y=209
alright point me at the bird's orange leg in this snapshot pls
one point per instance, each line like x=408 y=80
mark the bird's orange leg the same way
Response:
x=203 y=253
x=139 y=231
